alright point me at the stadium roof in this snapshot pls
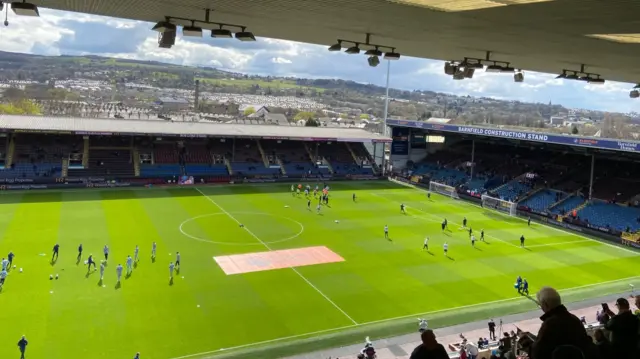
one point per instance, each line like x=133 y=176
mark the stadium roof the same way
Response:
x=540 y=35
x=78 y=125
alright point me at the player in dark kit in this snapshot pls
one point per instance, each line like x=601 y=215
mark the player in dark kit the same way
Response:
x=56 y=248
x=402 y=208
x=470 y=232
x=464 y=222
x=525 y=287
x=90 y=262
x=353 y=197
x=482 y=235
x=309 y=204
x=79 y=252
x=10 y=258
x=522 y=241
x=529 y=221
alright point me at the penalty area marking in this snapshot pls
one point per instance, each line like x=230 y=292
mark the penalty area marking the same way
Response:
x=196 y=238
x=416 y=315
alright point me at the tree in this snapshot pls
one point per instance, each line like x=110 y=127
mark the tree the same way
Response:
x=364 y=116
x=311 y=123
x=249 y=111
x=574 y=130
x=21 y=107
x=304 y=115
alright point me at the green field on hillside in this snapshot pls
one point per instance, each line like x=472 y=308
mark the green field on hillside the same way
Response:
x=380 y=288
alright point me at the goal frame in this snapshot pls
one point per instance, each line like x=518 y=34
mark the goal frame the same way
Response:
x=443 y=189
x=499 y=205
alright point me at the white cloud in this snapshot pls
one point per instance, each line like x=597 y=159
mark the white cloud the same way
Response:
x=58 y=33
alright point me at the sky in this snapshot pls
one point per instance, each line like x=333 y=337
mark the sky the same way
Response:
x=65 y=33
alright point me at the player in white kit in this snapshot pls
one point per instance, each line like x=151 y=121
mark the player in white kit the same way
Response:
x=129 y=265
x=473 y=240
x=106 y=252
x=426 y=244
x=177 y=261
x=446 y=248
x=386 y=231
x=101 y=269
x=135 y=254
x=171 y=267
x=119 y=271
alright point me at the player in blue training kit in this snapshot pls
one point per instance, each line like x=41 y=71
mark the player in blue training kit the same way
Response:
x=119 y=272
x=5 y=264
x=129 y=265
x=90 y=262
x=54 y=256
x=3 y=276
x=105 y=250
x=519 y=284
x=525 y=287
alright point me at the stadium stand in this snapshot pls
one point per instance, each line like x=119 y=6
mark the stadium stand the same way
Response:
x=292 y=155
x=513 y=190
x=107 y=163
x=543 y=199
x=611 y=215
x=247 y=160
x=567 y=205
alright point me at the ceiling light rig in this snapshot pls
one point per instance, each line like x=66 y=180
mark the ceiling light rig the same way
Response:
x=24 y=8
x=581 y=75
x=634 y=92
x=374 y=53
x=167 y=29
x=465 y=69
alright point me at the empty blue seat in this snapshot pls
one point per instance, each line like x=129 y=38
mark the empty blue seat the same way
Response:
x=543 y=199
x=611 y=215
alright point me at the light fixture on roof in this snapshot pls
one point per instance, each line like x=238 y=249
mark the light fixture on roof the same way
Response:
x=518 y=76
x=450 y=68
x=336 y=47
x=164 y=26
x=1 y=6
x=458 y=74
x=636 y=86
x=373 y=52
x=192 y=31
x=24 y=8
x=634 y=94
x=221 y=33
x=494 y=68
x=468 y=72
x=563 y=75
x=373 y=61
x=392 y=55
x=355 y=49
x=245 y=35
x=572 y=76
x=596 y=81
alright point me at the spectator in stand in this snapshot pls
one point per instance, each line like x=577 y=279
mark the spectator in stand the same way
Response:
x=480 y=343
x=471 y=349
x=430 y=348
x=462 y=353
x=492 y=330
x=602 y=317
x=559 y=329
x=624 y=329
x=637 y=312
x=602 y=343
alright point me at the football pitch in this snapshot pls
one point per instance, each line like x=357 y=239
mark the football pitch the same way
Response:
x=378 y=287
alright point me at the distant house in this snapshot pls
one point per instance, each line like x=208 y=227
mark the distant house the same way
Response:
x=173 y=104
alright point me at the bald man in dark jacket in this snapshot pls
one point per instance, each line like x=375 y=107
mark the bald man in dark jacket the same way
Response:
x=560 y=329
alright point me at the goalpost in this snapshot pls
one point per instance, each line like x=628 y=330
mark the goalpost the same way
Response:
x=499 y=204
x=443 y=189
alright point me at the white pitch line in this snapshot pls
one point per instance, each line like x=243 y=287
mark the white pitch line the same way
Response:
x=269 y=248
x=416 y=315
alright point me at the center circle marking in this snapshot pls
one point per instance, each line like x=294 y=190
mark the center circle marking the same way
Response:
x=196 y=238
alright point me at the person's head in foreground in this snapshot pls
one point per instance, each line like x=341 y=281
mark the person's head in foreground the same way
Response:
x=622 y=305
x=429 y=338
x=548 y=299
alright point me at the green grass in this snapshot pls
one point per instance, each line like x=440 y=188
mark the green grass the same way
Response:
x=382 y=285
x=246 y=83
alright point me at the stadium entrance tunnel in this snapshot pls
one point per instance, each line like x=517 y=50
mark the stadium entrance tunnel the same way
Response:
x=255 y=228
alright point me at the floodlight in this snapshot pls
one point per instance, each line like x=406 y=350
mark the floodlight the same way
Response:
x=494 y=68
x=192 y=31
x=475 y=65
x=518 y=77
x=353 y=50
x=507 y=69
x=636 y=86
x=245 y=35
x=1 y=6
x=596 y=81
x=393 y=55
x=166 y=39
x=336 y=47
x=573 y=76
x=634 y=94
x=458 y=74
x=221 y=33
x=563 y=75
x=449 y=68
x=468 y=72
x=372 y=52
x=164 y=26
x=24 y=9
x=373 y=61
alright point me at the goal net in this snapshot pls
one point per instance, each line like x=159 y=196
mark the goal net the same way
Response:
x=499 y=204
x=443 y=189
